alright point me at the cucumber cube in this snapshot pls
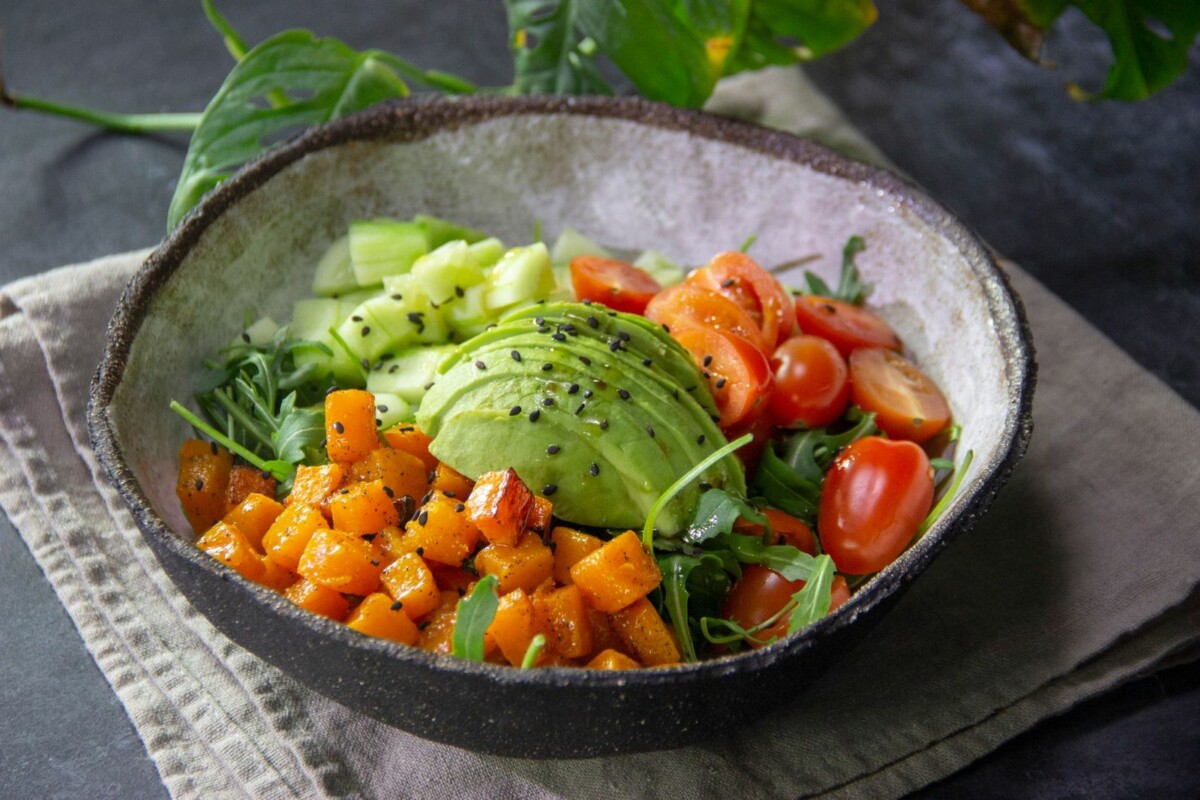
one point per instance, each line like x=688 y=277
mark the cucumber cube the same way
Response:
x=441 y=231
x=447 y=271
x=334 y=274
x=522 y=276
x=571 y=243
x=407 y=375
x=259 y=333
x=468 y=315
x=382 y=247
x=391 y=410
x=661 y=268
x=487 y=252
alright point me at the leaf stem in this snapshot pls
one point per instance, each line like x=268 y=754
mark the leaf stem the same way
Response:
x=676 y=487
x=433 y=78
x=229 y=444
x=234 y=42
x=122 y=123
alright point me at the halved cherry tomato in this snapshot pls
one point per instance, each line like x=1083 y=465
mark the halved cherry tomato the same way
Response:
x=617 y=284
x=812 y=382
x=737 y=371
x=875 y=497
x=907 y=404
x=761 y=592
x=686 y=305
x=847 y=326
x=737 y=276
x=787 y=530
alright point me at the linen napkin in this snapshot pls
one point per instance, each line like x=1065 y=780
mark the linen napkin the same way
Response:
x=1083 y=575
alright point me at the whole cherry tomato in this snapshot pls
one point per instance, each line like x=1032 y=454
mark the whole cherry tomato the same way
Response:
x=686 y=305
x=847 y=326
x=786 y=528
x=619 y=285
x=875 y=496
x=737 y=276
x=907 y=404
x=737 y=372
x=812 y=383
x=761 y=592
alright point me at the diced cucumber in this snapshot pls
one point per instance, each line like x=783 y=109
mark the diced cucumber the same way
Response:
x=468 y=315
x=259 y=333
x=365 y=331
x=522 y=276
x=407 y=375
x=390 y=410
x=488 y=251
x=563 y=288
x=382 y=247
x=409 y=313
x=447 y=271
x=441 y=231
x=661 y=268
x=571 y=243
x=334 y=274
x=312 y=318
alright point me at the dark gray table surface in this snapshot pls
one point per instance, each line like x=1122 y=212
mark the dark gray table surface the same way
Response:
x=1100 y=202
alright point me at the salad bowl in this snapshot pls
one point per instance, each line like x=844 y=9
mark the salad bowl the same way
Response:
x=630 y=174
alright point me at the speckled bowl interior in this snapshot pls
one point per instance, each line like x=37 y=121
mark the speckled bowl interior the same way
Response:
x=624 y=172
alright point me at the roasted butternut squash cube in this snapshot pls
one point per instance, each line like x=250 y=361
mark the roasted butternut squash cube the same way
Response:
x=437 y=632
x=244 y=481
x=513 y=627
x=452 y=579
x=563 y=615
x=412 y=440
x=350 y=432
x=380 y=615
x=313 y=485
x=203 y=482
x=617 y=574
x=341 y=561
x=285 y=540
x=451 y=484
x=411 y=583
x=363 y=508
x=401 y=473
x=254 y=517
x=522 y=567
x=612 y=659
x=227 y=544
x=645 y=634
x=276 y=577
x=388 y=542
x=540 y=516
x=499 y=505
x=318 y=599
x=570 y=546
x=441 y=532
x=604 y=637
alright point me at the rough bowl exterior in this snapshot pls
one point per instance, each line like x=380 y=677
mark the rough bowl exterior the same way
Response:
x=626 y=172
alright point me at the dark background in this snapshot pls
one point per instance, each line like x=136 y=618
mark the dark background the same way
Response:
x=1101 y=202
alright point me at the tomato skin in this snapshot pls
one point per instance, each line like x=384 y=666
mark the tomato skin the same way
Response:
x=907 y=403
x=739 y=375
x=812 y=383
x=617 y=284
x=839 y=593
x=687 y=305
x=786 y=528
x=750 y=454
x=735 y=275
x=848 y=327
x=876 y=494
x=761 y=592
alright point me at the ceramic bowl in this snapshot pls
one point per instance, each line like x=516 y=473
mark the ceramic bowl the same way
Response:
x=627 y=173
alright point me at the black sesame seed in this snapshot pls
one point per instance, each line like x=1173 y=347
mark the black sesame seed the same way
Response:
x=420 y=551
x=573 y=388
x=378 y=422
x=387 y=356
x=365 y=364
x=547 y=367
x=700 y=439
x=429 y=386
x=725 y=284
x=356 y=318
x=382 y=409
x=539 y=321
x=369 y=537
x=593 y=322
x=423 y=517
x=666 y=328
x=594 y=469
x=707 y=360
x=624 y=395
x=339 y=427
x=646 y=362
x=650 y=430
x=458 y=291
x=214 y=448
x=553 y=450
x=415 y=317
x=615 y=345
x=515 y=355
x=393 y=369
x=533 y=415
x=452 y=495
x=366 y=330
x=603 y=424
x=587 y=362
x=544 y=329
x=721 y=383
x=549 y=489
x=480 y=365
x=460 y=508
x=461 y=591
x=397 y=297
x=705 y=486
x=388 y=491
x=324 y=443
x=547 y=401
x=587 y=302
x=587 y=393
x=623 y=336
x=512 y=412
x=558 y=337
x=199 y=485
x=374 y=562
x=580 y=408
x=245 y=337
x=396 y=606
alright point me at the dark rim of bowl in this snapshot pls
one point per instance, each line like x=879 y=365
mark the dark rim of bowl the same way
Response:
x=416 y=119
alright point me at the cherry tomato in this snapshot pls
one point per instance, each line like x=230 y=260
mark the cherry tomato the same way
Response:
x=686 y=305
x=761 y=592
x=907 y=404
x=787 y=530
x=812 y=382
x=619 y=285
x=750 y=454
x=737 y=276
x=847 y=326
x=738 y=373
x=875 y=497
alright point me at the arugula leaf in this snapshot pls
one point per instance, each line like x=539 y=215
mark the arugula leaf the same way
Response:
x=716 y=513
x=851 y=288
x=323 y=78
x=475 y=613
x=812 y=602
x=790 y=562
x=300 y=432
x=678 y=486
x=549 y=54
x=531 y=653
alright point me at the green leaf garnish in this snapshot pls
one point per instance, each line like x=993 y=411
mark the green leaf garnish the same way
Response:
x=812 y=602
x=531 y=652
x=679 y=485
x=716 y=513
x=851 y=288
x=475 y=613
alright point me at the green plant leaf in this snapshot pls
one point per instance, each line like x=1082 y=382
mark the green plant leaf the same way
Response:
x=549 y=54
x=475 y=613
x=300 y=431
x=322 y=78
x=716 y=513
x=780 y=32
x=1145 y=60
x=790 y=562
x=812 y=602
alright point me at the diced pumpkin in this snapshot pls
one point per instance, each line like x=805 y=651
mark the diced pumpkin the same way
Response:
x=522 y=567
x=441 y=532
x=604 y=636
x=276 y=577
x=313 y=485
x=437 y=632
x=617 y=574
x=645 y=634
x=227 y=544
x=203 y=482
x=402 y=473
x=412 y=440
x=388 y=542
x=499 y=505
x=452 y=579
x=410 y=582
x=513 y=627
x=318 y=599
x=254 y=517
x=451 y=484
x=612 y=659
x=285 y=540
x=563 y=615
x=341 y=561
x=363 y=508
x=540 y=515
x=350 y=425
x=570 y=547
x=380 y=615
x=244 y=481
